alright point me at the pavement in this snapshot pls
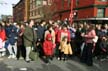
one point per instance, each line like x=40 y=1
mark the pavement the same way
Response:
x=38 y=65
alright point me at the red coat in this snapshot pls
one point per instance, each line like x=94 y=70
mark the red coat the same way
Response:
x=60 y=33
x=2 y=35
x=48 y=46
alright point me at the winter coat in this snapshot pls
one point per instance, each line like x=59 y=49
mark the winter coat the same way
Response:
x=28 y=37
x=48 y=46
x=2 y=35
x=65 y=48
x=52 y=34
x=40 y=33
x=61 y=34
x=20 y=40
x=12 y=34
x=90 y=36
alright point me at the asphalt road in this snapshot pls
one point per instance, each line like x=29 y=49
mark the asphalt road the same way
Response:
x=70 y=65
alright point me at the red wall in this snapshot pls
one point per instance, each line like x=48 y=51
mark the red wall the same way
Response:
x=86 y=13
x=83 y=3
x=106 y=12
x=90 y=12
x=61 y=8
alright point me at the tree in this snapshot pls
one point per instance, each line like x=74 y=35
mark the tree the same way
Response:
x=48 y=10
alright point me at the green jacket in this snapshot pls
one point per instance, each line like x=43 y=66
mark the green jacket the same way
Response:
x=29 y=37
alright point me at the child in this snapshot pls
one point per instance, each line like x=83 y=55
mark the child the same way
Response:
x=65 y=48
x=48 y=48
x=103 y=46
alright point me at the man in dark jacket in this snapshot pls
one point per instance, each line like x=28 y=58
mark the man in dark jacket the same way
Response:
x=40 y=37
x=12 y=33
x=29 y=37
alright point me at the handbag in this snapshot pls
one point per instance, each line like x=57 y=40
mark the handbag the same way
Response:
x=34 y=55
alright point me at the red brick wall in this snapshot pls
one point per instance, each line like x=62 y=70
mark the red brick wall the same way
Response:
x=86 y=13
x=95 y=12
x=106 y=12
x=60 y=8
x=83 y=3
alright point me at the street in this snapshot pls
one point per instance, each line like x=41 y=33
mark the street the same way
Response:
x=39 y=65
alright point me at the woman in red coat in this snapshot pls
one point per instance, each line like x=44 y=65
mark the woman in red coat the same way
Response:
x=48 y=47
x=2 y=40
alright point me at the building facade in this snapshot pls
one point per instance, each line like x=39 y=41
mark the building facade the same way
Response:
x=92 y=10
x=39 y=9
x=50 y=9
x=21 y=11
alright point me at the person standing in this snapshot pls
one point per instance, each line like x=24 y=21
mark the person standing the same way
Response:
x=12 y=34
x=48 y=48
x=20 y=42
x=2 y=40
x=28 y=37
x=40 y=37
x=87 y=51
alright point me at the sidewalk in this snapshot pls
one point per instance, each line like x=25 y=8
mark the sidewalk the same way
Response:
x=21 y=65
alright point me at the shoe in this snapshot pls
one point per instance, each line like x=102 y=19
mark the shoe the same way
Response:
x=10 y=56
x=13 y=56
x=48 y=63
x=28 y=61
x=102 y=59
x=3 y=54
x=58 y=58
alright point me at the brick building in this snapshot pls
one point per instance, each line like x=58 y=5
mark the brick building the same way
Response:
x=40 y=9
x=92 y=10
x=50 y=9
x=20 y=11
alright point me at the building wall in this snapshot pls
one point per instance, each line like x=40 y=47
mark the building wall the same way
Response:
x=63 y=9
x=19 y=11
x=89 y=8
x=83 y=3
x=106 y=12
x=86 y=13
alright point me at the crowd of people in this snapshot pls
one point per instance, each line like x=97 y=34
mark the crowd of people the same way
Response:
x=51 y=39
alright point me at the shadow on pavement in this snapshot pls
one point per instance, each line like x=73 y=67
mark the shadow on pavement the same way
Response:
x=49 y=67
x=3 y=67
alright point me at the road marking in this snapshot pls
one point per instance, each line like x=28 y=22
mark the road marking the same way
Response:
x=23 y=69
x=10 y=67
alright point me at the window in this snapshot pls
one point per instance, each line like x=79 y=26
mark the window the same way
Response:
x=49 y=2
x=77 y=2
x=69 y=3
x=44 y=2
x=101 y=12
x=38 y=2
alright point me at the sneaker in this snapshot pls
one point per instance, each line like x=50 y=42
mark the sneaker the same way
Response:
x=102 y=59
x=28 y=61
x=13 y=56
x=58 y=58
x=10 y=56
x=3 y=54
